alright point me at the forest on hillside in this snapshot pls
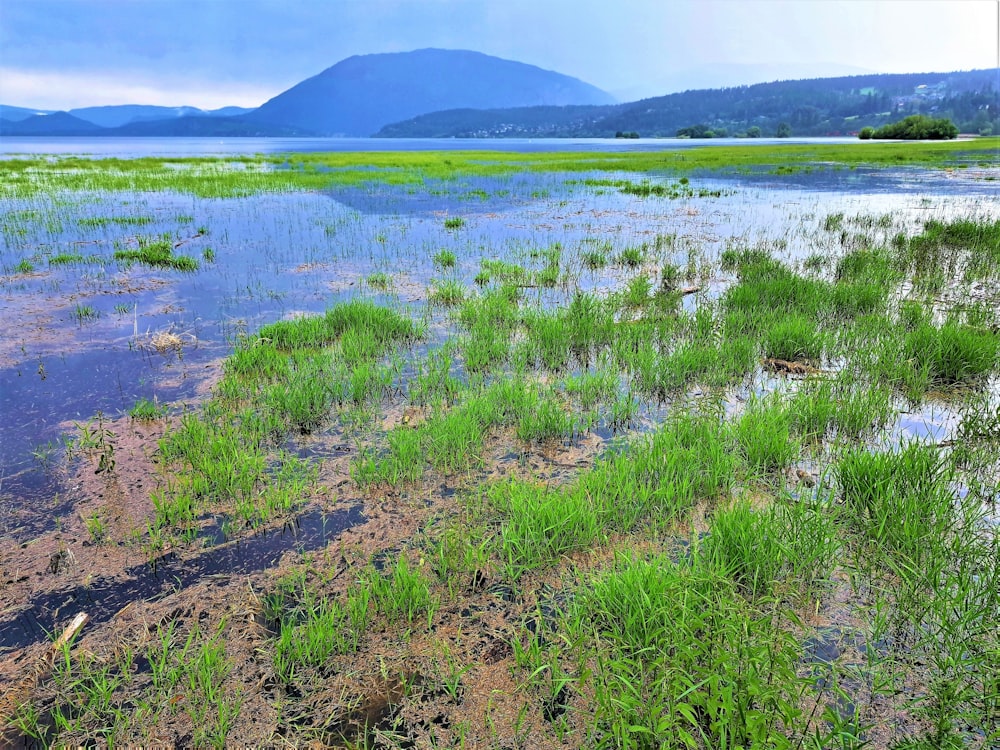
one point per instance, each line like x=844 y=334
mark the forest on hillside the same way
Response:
x=816 y=107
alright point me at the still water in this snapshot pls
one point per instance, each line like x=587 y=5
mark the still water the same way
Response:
x=137 y=147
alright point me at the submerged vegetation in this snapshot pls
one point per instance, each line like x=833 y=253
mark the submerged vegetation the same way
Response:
x=620 y=488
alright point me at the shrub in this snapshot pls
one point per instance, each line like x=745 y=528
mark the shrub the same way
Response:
x=918 y=128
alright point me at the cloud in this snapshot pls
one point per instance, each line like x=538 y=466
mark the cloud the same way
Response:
x=67 y=90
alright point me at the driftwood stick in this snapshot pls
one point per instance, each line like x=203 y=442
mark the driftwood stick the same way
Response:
x=74 y=627
x=19 y=693
x=793 y=368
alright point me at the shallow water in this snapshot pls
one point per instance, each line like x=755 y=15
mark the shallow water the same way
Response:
x=280 y=255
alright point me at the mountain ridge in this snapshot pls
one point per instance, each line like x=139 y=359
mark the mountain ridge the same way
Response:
x=362 y=93
x=814 y=107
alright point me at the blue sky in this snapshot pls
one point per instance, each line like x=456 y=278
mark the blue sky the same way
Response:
x=58 y=54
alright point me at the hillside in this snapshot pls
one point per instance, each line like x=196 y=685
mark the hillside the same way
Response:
x=55 y=124
x=816 y=107
x=16 y=114
x=359 y=95
x=114 y=116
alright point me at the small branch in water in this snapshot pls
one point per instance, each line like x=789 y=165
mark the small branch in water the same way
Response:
x=792 y=368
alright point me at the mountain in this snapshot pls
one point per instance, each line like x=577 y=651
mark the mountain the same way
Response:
x=116 y=115
x=200 y=126
x=440 y=94
x=16 y=114
x=816 y=107
x=192 y=126
x=361 y=94
x=727 y=75
x=57 y=123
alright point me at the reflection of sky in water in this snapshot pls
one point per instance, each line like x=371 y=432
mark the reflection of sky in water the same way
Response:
x=281 y=254
x=931 y=425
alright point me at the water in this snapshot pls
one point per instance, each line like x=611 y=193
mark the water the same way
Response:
x=276 y=256
x=137 y=147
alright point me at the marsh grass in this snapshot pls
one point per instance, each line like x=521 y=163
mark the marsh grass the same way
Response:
x=632 y=257
x=287 y=379
x=157 y=253
x=145 y=410
x=446 y=292
x=763 y=434
x=952 y=353
x=541 y=525
x=445 y=259
x=379 y=280
x=679 y=659
x=794 y=337
x=900 y=501
x=85 y=313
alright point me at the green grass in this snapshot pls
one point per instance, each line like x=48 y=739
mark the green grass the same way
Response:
x=122 y=221
x=793 y=337
x=445 y=259
x=145 y=410
x=446 y=292
x=952 y=353
x=679 y=660
x=286 y=380
x=594 y=260
x=632 y=257
x=379 y=280
x=542 y=525
x=899 y=501
x=85 y=313
x=763 y=434
x=157 y=253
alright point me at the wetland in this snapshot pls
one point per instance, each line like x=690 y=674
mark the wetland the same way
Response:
x=689 y=448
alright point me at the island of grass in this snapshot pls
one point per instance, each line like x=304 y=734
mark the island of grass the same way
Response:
x=157 y=253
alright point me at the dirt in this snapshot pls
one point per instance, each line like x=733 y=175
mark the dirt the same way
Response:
x=72 y=569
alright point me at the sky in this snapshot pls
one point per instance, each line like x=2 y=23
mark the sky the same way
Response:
x=60 y=54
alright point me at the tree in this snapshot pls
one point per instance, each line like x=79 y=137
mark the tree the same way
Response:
x=696 y=131
x=753 y=132
x=866 y=133
x=784 y=130
x=918 y=128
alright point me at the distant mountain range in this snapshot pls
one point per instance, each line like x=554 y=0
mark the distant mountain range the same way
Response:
x=455 y=93
x=355 y=97
x=816 y=107
x=114 y=116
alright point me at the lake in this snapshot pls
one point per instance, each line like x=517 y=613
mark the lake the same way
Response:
x=138 y=147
